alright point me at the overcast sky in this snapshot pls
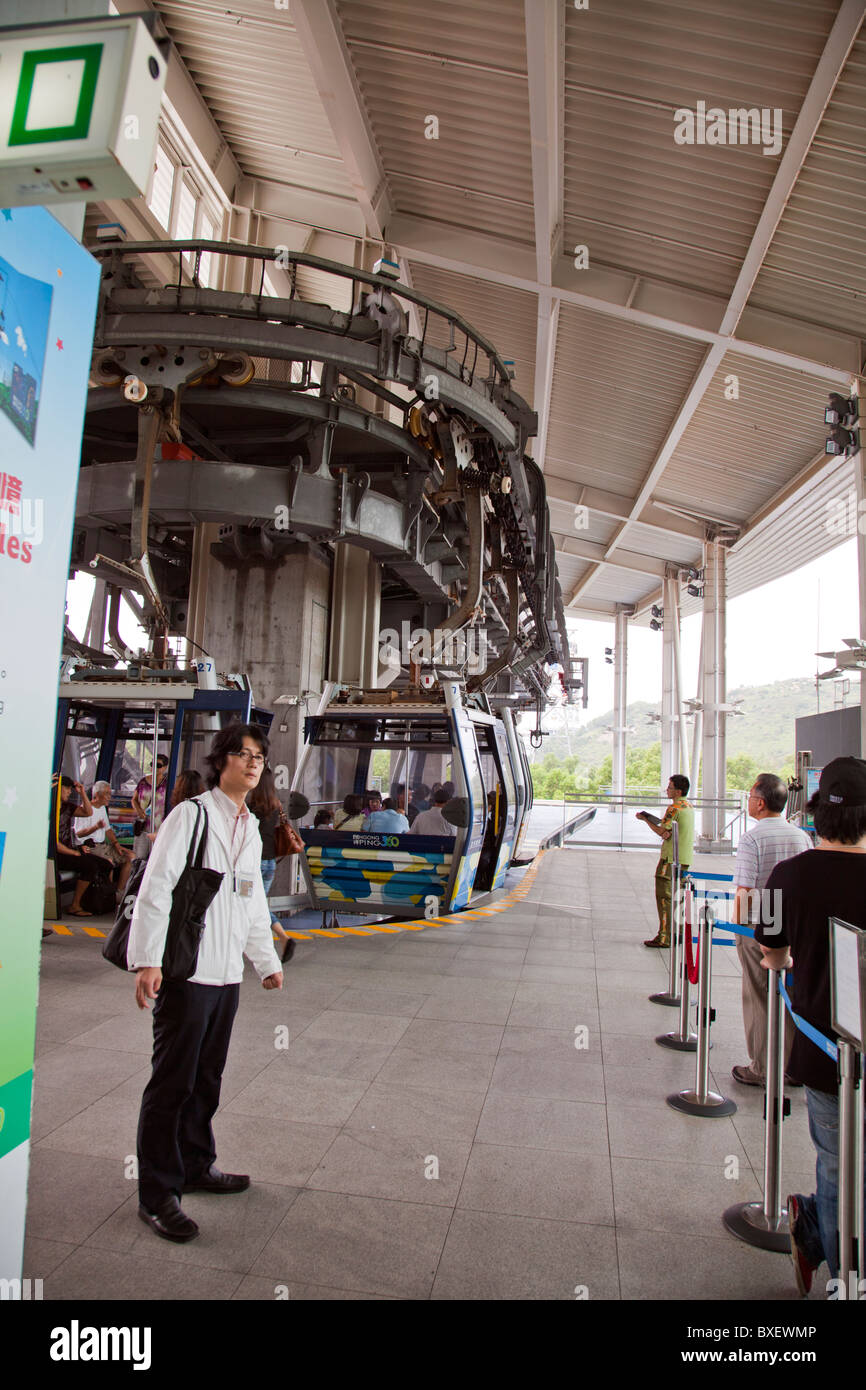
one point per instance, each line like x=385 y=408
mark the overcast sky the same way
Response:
x=773 y=633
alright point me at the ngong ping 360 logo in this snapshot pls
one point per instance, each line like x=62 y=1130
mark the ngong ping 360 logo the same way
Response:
x=435 y=647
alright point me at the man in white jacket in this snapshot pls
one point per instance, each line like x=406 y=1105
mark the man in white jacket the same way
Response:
x=192 y=1019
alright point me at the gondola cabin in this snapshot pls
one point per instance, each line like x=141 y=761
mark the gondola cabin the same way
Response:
x=407 y=751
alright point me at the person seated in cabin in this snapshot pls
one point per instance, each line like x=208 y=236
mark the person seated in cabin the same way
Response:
x=433 y=822
x=96 y=833
x=420 y=800
x=387 y=821
x=144 y=795
x=372 y=801
x=352 y=816
x=398 y=796
x=86 y=866
x=324 y=819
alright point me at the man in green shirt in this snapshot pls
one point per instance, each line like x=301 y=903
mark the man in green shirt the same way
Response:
x=683 y=814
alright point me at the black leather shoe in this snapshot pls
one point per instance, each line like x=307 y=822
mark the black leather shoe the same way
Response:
x=215 y=1181
x=169 y=1221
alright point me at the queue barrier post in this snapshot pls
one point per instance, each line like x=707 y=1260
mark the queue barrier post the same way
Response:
x=701 y=1100
x=669 y=998
x=765 y=1224
x=684 y=1039
x=850 y=1191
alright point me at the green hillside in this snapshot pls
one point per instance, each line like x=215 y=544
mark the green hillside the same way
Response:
x=760 y=738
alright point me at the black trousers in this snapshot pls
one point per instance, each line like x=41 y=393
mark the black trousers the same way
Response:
x=192 y=1028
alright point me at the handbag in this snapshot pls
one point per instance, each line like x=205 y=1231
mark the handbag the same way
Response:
x=286 y=838
x=193 y=894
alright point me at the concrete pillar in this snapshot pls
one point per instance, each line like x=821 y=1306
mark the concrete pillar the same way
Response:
x=620 y=693
x=270 y=621
x=714 y=687
x=355 y=603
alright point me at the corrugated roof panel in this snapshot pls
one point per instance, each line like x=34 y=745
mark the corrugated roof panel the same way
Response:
x=616 y=390
x=736 y=454
x=506 y=317
x=822 y=518
x=663 y=545
x=466 y=66
x=600 y=528
x=816 y=266
x=635 y=197
x=249 y=66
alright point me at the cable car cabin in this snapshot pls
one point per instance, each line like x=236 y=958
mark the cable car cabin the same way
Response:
x=406 y=751
x=519 y=752
x=114 y=730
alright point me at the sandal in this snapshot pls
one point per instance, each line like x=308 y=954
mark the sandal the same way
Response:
x=79 y=912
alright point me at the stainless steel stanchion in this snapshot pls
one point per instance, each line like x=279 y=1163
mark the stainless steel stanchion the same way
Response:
x=670 y=998
x=703 y=1101
x=683 y=1039
x=850 y=1194
x=765 y=1224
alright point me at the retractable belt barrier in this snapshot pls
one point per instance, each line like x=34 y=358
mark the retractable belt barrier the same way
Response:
x=763 y=1224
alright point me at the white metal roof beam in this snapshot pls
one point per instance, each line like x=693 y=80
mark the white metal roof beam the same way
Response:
x=614 y=505
x=684 y=312
x=321 y=36
x=830 y=65
x=625 y=559
x=545 y=25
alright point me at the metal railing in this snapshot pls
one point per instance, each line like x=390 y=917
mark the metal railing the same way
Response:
x=620 y=829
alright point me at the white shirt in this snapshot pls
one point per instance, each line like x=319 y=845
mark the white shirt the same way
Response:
x=234 y=926
x=94 y=827
x=768 y=843
x=432 y=822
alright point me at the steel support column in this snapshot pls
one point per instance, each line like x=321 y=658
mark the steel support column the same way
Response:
x=668 y=764
x=714 y=688
x=620 y=693
x=680 y=741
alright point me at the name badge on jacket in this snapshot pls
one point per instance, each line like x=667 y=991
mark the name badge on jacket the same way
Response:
x=243 y=886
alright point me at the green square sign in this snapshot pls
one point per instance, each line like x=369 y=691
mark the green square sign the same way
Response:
x=91 y=55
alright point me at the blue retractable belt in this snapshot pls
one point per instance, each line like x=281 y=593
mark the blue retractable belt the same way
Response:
x=826 y=1045
x=807 y=1029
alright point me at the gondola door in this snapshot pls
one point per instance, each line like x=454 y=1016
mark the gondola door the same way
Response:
x=470 y=837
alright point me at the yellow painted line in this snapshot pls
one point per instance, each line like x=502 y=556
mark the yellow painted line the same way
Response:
x=377 y=928
x=60 y=929
x=355 y=931
x=93 y=931
x=320 y=931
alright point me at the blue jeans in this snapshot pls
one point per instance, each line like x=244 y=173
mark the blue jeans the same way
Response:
x=269 y=868
x=817 y=1232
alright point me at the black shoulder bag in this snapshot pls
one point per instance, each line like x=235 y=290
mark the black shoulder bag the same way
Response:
x=193 y=894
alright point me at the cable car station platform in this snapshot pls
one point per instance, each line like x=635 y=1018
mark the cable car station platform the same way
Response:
x=473 y=1108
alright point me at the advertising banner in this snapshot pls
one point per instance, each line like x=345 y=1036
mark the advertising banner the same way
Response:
x=48 y=296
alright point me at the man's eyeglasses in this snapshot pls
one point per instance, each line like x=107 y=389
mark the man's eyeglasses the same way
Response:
x=249 y=757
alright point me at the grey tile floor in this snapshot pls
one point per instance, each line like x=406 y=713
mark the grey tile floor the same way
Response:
x=431 y=1129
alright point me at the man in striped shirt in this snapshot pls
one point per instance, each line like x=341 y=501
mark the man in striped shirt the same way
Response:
x=770 y=842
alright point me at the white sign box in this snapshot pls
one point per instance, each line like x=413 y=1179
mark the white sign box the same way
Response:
x=79 y=110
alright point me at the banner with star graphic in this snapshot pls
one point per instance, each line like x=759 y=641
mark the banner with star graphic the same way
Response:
x=48 y=294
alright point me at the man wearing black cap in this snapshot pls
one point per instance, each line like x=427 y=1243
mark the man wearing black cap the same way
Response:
x=827 y=882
